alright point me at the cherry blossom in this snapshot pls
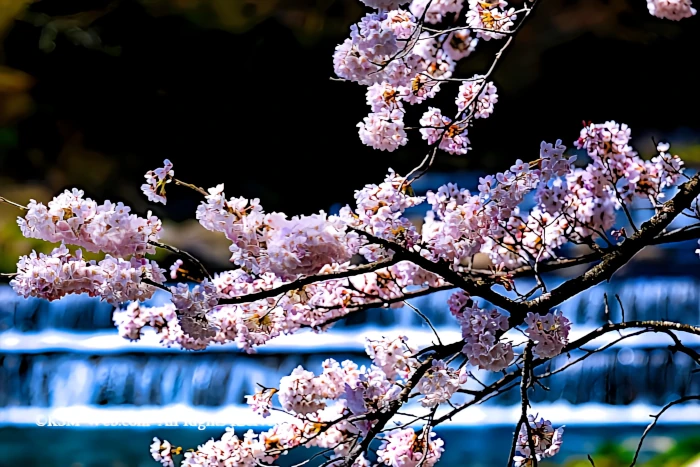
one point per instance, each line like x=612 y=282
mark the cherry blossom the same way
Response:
x=154 y=188
x=546 y=439
x=483 y=97
x=406 y=448
x=439 y=383
x=161 y=451
x=671 y=9
x=490 y=16
x=69 y=218
x=383 y=130
x=61 y=273
x=550 y=331
x=437 y=128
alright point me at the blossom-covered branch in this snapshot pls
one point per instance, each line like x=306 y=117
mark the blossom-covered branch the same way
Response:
x=298 y=273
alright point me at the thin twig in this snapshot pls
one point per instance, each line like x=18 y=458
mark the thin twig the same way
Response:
x=17 y=205
x=189 y=256
x=199 y=190
x=656 y=419
x=425 y=318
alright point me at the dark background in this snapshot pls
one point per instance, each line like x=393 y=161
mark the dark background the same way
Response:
x=239 y=92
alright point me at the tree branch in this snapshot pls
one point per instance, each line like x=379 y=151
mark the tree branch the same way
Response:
x=656 y=419
x=617 y=258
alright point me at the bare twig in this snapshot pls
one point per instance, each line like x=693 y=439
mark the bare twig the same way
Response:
x=425 y=318
x=656 y=419
x=187 y=255
x=199 y=190
x=12 y=203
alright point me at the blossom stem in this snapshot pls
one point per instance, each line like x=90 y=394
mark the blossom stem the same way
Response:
x=199 y=190
x=5 y=200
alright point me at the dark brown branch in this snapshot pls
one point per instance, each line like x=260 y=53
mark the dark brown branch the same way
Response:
x=679 y=347
x=617 y=258
x=299 y=283
x=651 y=326
x=474 y=285
x=384 y=417
x=524 y=406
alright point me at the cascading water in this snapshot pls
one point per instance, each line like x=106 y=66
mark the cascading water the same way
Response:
x=65 y=360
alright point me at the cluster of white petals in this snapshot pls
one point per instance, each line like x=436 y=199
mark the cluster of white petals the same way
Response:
x=61 y=273
x=163 y=319
x=162 y=451
x=69 y=218
x=380 y=211
x=304 y=244
x=546 y=439
x=618 y=168
x=461 y=224
x=393 y=356
x=490 y=19
x=154 y=188
x=383 y=130
x=439 y=383
x=406 y=448
x=481 y=330
x=481 y=96
x=438 y=128
x=551 y=332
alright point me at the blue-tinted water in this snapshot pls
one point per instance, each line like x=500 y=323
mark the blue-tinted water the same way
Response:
x=472 y=447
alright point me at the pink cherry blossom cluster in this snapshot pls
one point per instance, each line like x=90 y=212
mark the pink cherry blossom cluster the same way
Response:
x=490 y=19
x=264 y=448
x=380 y=211
x=154 y=188
x=437 y=9
x=461 y=225
x=61 y=273
x=69 y=218
x=246 y=452
x=481 y=330
x=675 y=10
x=242 y=221
x=271 y=242
x=406 y=448
x=374 y=40
x=201 y=321
x=364 y=389
x=163 y=319
x=616 y=162
x=546 y=439
x=483 y=95
x=439 y=383
x=303 y=245
x=583 y=202
x=393 y=356
x=551 y=332
x=401 y=63
x=438 y=128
